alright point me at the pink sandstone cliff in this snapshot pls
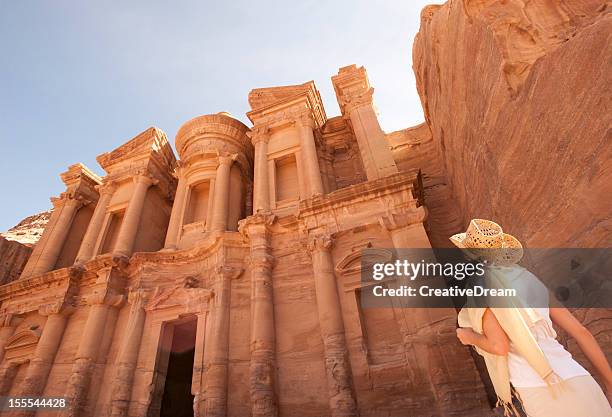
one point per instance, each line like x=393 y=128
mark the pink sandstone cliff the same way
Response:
x=16 y=245
x=517 y=97
x=414 y=148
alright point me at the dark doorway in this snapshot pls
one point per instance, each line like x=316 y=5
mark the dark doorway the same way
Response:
x=177 y=400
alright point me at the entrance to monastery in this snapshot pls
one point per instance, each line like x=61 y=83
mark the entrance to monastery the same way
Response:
x=177 y=400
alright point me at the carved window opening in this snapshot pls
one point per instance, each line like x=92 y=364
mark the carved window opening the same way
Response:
x=287 y=185
x=197 y=209
x=175 y=363
x=112 y=231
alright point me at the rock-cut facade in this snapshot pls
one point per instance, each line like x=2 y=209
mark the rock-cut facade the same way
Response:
x=225 y=280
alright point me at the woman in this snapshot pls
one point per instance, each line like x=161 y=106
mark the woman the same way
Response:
x=519 y=343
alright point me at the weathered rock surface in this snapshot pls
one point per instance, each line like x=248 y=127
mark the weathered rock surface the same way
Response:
x=517 y=97
x=13 y=257
x=414 y=148
x=16 y=245
x=29 y=230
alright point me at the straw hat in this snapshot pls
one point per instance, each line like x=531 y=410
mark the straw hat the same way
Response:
x=486 y=240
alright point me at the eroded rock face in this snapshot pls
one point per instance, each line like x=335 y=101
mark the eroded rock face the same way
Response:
x=414 y=148
x=29 y=230
x=13 y=257
x=517 y=97
x=16 y=245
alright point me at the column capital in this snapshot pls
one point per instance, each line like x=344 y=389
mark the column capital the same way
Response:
x=351 y=101
x=229 y=272
x=352 y=88
x=259 y=220
x=259 y=133
x=227 y=159
x=304 y=119
x=400 y=219
x=138 y=297
x=61 y=307
x=106 y=296
x=179 y=169
x=145 y=179
x=320 y=242
x=107 y=187
x=108 y=288
x=69 y=200
x=76 y=271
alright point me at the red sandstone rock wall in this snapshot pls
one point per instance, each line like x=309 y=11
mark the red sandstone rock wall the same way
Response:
x=13 y=257
x=16 y=245
x=517 y=97
x=414 y=148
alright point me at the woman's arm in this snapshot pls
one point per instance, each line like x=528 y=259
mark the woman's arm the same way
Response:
x=493 y=340
x=564 y=319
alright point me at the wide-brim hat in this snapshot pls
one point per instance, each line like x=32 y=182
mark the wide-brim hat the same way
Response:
x=485 y=239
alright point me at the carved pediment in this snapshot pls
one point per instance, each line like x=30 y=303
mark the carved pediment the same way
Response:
x=183 y=300
x=20 y=347
x=356 y=261
x=264 y=97
x=267 y=102
x=81 y=182
x=152 y=144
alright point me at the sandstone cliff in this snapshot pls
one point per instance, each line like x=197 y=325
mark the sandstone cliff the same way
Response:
x=29 y=230
x=13 y=257
x=414 y=148
x=16 y=245
x=517 y=97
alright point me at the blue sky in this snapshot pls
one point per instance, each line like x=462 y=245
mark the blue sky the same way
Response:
x=80 y=78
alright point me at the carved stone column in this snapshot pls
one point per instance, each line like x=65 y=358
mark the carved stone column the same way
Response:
x=40 y=365
x=86 y=251
x=261 y=192
x=178 y=209
x=128 y=354
x=105 y=297
x=47 y=251
x=428 y=332
x=355 y=97
x=8 y=371
x=200 y=364
x=263 y=355
x=217 y=352
x=221 y=197
x=305 y=124
x=6 y=331
x=339 y=376
x=131 y=220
